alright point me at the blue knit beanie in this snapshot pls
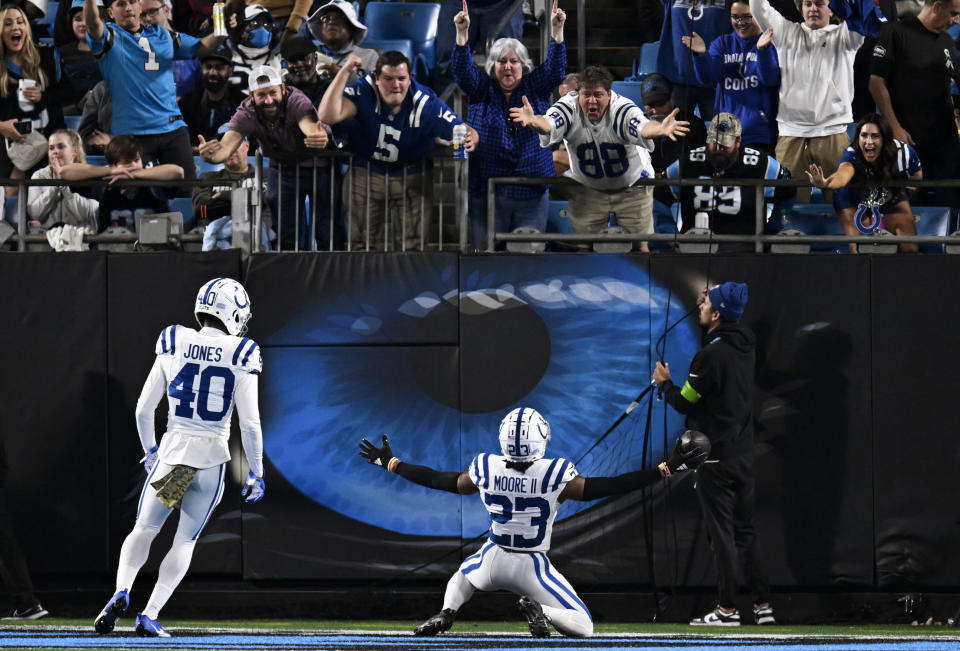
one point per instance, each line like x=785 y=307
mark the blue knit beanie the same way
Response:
x=729 y=299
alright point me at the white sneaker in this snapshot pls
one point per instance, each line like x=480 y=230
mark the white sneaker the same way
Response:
x=717 y=617
x=764 y=616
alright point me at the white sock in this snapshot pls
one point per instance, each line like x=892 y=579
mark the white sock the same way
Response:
x=133 y=554
x=172 y=570
x=459 y=590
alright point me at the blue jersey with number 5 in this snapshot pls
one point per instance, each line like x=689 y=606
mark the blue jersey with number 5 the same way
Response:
x=382 y=137
x=202 y=372
x=522 y=505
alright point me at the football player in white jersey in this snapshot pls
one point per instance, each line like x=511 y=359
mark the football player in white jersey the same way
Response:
x=609 y=141
x=522 y=490
x=204 y=374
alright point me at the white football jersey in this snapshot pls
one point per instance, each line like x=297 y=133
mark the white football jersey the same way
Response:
x=608 y=154
x=522 y=505
x=201 y=371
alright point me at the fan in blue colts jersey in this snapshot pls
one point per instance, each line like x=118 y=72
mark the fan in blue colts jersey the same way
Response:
x=522 y=491
x=203 y=374
x=392 y=122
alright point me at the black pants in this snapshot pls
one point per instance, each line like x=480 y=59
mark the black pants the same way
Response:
x=173 y=148
x=13 y=567
x=725 y=490
x=939 y=161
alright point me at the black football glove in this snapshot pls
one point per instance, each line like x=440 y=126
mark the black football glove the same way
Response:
x=691 y=450
x=377 y=456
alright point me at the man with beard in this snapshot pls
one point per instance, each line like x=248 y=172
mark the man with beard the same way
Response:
x=207 y=108
x=285 y=124
x=609 y=140
x=731 y=209
x=300 y=55
x=717 y=399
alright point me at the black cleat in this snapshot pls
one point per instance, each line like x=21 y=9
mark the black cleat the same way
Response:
x=439 y=623
x=114 y=609
x=539 y=627
x=33 y=612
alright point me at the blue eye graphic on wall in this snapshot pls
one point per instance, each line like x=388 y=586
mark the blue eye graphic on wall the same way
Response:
x=505 y=332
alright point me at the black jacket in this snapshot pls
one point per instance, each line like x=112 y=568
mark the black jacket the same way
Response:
x=719 y=398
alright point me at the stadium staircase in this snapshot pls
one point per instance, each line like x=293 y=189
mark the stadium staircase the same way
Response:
x=611 y=36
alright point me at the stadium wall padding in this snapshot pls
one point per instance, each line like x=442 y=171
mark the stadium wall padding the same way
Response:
x=854 y=439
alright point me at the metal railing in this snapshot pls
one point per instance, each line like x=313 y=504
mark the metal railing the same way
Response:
x=408 y=198
x=760 y=238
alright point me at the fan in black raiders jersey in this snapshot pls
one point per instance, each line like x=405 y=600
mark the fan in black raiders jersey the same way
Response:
x=731 y=208
x=521 y=491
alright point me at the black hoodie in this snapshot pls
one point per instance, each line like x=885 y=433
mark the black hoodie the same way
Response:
x=718 y=395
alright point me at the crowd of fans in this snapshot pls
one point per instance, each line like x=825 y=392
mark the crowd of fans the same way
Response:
x=157 y=87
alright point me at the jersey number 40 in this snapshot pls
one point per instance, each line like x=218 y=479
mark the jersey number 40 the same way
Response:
x=181 y=389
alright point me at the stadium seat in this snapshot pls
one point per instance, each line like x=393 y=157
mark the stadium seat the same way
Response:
x=851 y=130
x=557 y=219
x=404 y=45
x=72 y=121
x=10 y=210
x=184 y=206
x=664 y=222
x=51 y=13
x=204 y=167
x=646 y=62
x=815 y=219
x=934 y=220
x=416 y=21
x=629 y=89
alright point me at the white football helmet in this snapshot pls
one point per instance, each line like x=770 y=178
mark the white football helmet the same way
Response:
x=227 y=300
x=524 y=435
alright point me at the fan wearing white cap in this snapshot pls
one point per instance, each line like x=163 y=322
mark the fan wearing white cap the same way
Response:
x=136 y=61
x=340 y=33
x=285 y=123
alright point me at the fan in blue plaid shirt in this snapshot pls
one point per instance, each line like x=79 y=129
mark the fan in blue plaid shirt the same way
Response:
x=506 y=149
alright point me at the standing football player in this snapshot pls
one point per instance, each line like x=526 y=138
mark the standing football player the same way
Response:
x=522 y=490
x=204 y=375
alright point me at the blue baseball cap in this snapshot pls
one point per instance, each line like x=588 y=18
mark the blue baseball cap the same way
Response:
x=729 y=299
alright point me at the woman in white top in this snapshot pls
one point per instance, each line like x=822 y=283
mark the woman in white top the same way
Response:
x=55 y=205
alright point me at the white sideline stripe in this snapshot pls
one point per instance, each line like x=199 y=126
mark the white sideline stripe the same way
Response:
x=731 y=635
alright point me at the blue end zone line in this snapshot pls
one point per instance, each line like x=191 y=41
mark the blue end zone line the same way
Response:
x=256 y=639
x=373 y=642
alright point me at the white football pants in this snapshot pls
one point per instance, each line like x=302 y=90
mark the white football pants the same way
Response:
x=527 y=574
x=202 y=496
